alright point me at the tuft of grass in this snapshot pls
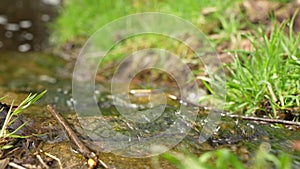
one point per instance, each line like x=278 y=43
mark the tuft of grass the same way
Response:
x=12 y=115
x=268 y=78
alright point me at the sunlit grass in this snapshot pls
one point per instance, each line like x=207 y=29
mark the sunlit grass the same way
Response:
x=12 y=115
x=83 y=18
x=267 y=75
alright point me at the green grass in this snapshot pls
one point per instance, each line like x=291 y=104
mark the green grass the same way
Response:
x=83 y=18
x=267 y=75
x=80 y=19
x=12 y=115
x=224 y=159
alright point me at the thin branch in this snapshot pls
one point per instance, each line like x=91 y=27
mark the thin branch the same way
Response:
x=227 y=114
x=74 y=138
x=55 y=158
x=17 y=166
x=42 y=161
x=278 y=121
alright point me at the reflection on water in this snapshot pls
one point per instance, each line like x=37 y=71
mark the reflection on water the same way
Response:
x=23 y=23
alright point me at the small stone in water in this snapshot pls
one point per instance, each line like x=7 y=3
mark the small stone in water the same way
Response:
x=8 y=34
x=45 y=18
x=3 y=20
x=24 y=47
x=12 y=27
x=25 y=24
x=28 y=36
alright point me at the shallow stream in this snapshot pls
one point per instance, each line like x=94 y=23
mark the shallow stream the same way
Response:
x=22 y=74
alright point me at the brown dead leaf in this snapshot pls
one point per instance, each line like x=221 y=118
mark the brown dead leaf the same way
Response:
x=246 y=45
x=296 y=145
x=258 y=10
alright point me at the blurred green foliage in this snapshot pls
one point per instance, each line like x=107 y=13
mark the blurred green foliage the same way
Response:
x=224 y=159
x=83 y=18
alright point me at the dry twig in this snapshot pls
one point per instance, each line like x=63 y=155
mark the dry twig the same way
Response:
x=227 y=114
x=92 y=158
x=17 y=166
x=42 y=161
x=55 y=158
